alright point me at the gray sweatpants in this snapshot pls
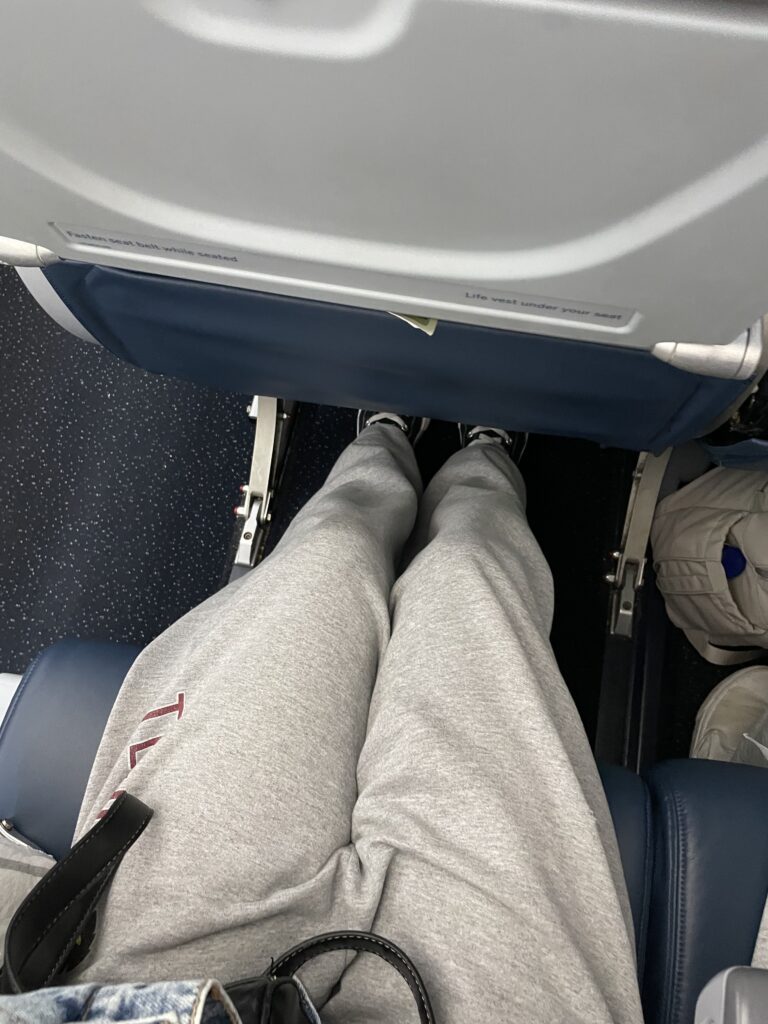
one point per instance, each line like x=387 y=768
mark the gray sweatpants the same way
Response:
x=327 y=748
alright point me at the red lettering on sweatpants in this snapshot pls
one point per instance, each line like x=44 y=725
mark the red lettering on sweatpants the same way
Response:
x=135 y=749
x=169 y=709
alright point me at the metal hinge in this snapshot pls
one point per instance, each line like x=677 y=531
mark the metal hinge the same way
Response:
x=256 y=495
x=273 y=419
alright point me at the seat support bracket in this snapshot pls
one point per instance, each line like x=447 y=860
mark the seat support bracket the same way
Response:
x=631 y=557
x=256 y=494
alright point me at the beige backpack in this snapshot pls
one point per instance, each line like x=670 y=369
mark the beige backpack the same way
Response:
x=719 y=600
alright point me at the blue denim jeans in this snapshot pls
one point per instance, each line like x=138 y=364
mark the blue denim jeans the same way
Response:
x=167 y=1002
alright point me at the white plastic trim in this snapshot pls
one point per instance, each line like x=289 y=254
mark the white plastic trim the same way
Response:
x=738 y=360
x=9 y=684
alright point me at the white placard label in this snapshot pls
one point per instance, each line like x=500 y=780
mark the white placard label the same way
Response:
x=520 y=305
x=542 y=306
x=123 y=242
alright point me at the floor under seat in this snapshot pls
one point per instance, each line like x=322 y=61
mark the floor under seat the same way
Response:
x=117 y=488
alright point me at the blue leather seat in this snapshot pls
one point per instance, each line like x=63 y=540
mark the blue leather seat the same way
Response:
x=692 y=834
x=694 y=846
x=50 y=735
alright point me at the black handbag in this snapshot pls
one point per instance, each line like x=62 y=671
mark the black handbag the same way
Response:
x=52 y=930
x=275 y=997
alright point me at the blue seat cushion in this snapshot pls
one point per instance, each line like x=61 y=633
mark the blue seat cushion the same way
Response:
x=50 y=735
x=710 y=879
x=694 y=847
x=630 y=804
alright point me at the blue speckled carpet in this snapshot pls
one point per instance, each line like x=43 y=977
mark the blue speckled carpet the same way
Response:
x=116 y=488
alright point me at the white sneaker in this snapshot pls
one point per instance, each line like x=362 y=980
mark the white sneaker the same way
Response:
x=413 y=427
x=732 y=723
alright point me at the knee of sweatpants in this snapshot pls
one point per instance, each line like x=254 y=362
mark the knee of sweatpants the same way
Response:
x=357 y=536
x=346 y=538
x=464 y=562
x=490 y=534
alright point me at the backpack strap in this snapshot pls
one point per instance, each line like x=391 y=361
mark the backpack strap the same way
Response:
x=57 y=915
x=359 y=942
x=722 y=655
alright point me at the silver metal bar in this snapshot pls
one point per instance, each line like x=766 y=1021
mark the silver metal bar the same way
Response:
x=257 y=493
x=630 y=559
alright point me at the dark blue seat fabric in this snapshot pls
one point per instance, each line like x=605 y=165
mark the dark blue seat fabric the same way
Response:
x=710 y=879
x=630 y=805
x=694 y=846
x=251 y=342
x=51 y=733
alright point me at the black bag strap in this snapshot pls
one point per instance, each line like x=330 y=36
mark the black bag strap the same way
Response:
x=360 y=942
x=58 y=912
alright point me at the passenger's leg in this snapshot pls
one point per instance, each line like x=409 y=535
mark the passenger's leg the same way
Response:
x=480 y=807
x=242 y=726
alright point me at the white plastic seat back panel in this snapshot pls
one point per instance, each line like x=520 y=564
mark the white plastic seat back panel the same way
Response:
x=586 y=169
